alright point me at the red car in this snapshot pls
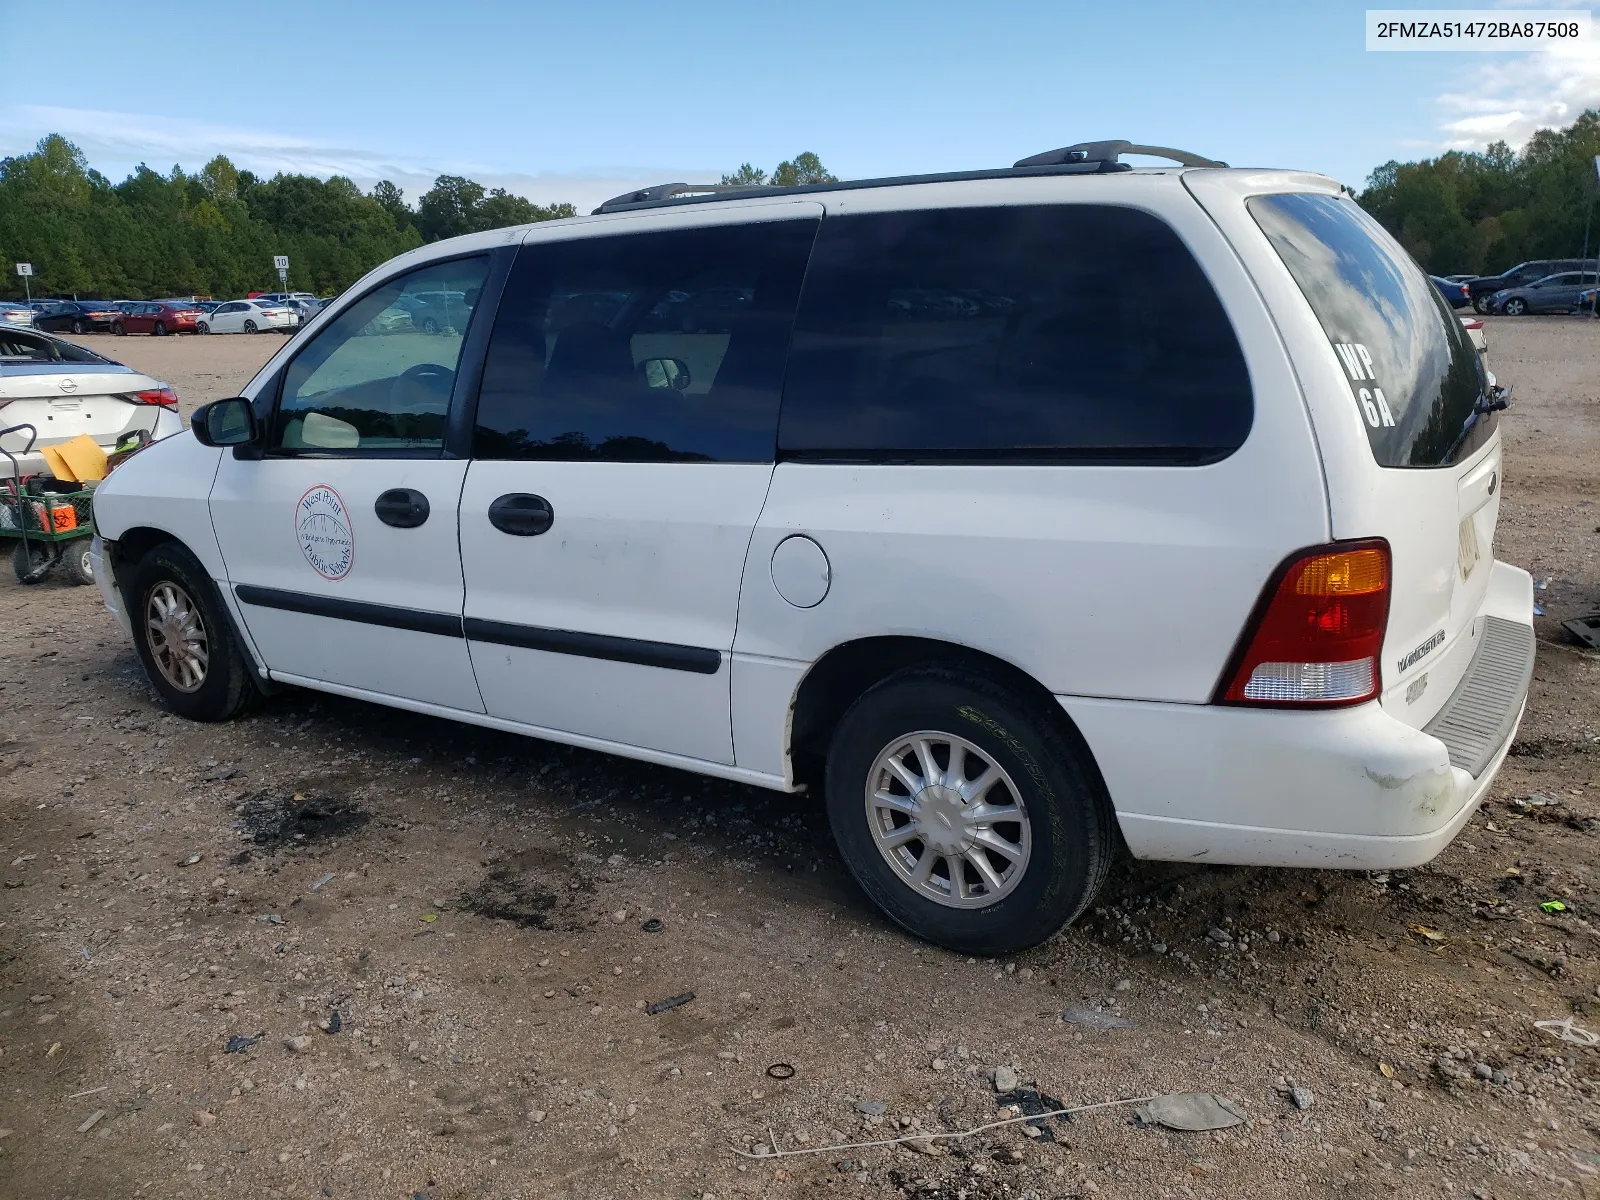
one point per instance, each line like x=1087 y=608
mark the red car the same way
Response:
x=159 y=317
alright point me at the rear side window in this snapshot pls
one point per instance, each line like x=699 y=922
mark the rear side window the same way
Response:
x=644 y=347
x=1413 y=373
x=1062 y=333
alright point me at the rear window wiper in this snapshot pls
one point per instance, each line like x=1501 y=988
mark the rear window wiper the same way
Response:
x=1496 y=399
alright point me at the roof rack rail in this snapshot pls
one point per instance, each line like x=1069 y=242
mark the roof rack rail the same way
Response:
x=666 y=191
x=1109 y=155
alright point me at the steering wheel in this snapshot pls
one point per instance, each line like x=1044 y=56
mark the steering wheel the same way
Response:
x=433 y=381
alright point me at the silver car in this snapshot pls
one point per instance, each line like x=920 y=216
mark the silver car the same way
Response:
x=1552 y=294
x=63 y=390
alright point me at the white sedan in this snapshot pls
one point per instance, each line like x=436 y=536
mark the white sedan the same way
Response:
x=248 y=316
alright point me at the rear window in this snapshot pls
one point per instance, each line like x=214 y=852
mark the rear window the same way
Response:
x=1060 y=333
x=1413 y=373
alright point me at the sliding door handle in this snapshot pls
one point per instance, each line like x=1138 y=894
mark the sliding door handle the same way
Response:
x=521 y=514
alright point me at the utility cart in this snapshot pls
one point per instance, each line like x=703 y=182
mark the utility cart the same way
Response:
x=51 y=520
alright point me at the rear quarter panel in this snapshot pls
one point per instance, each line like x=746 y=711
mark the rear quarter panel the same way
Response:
x=1130 y=582
x=1418 y=510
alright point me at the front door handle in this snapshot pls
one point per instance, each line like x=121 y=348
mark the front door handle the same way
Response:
x=404 y=508
x=520 y=514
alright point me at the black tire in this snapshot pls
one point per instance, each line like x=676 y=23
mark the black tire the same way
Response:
x=160 y=330
x=249 y=326
x=202 y=327
x=429 y=325
x=116 y=328
x=76 y=561
x=79 y=327
x=1515 y=307
x=26 y=558
x=228 y=685
x=1480 y=304
x=1070 y=816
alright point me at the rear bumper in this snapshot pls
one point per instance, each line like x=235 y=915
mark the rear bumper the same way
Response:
x=1352 y=788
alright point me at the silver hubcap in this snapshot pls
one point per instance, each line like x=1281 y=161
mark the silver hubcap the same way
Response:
x=948 y=820
x=177 y=636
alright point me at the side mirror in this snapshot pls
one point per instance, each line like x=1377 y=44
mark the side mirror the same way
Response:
x=665 y=373
x=230 y=422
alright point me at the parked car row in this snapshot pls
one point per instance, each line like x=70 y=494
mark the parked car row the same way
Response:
x=283 y=312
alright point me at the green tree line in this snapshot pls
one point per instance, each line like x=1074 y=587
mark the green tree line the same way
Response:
x=1485 y=212
x=215 y=232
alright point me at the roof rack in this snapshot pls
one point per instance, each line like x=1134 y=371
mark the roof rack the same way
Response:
x=1085 y=158
x=667 y=191
x=1109 y=154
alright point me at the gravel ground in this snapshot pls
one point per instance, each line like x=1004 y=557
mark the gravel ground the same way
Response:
x=445 y=938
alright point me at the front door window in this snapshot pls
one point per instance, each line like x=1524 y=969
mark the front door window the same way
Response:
x=380 y=376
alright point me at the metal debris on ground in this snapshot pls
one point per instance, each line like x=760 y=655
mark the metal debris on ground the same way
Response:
x=1192 y=1112
x=871 y=1108
x=1568 y=1031
x=333 y=1024
x=94 y=1119
x=661 y=1006
x=781 y=1070
x=1095 y=1018
x=324 y=880
x=924 y=1140
x=239 y=1043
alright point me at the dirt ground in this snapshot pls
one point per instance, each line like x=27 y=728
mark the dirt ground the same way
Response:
x=463 y=929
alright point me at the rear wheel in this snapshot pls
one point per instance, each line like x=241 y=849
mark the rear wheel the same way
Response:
x=75 y=558
x=160 y=330
x=184 y=639
x=79 y=327
x=27 y=558
x=1480 y=304
x=249 y=326
x=966 y=812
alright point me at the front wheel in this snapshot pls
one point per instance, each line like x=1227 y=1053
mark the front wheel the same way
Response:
x=160 y=330
x=116 y=328
x=75 y=558
x=966 y=812
x=183 y=637
x=1514 y=307
x=202 y=327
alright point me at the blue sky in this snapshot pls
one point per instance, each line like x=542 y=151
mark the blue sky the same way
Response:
x=581 y=101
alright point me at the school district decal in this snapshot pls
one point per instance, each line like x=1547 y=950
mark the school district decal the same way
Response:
x=323 y=525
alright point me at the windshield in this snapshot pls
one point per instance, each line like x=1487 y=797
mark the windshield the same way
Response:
x=1413 y=373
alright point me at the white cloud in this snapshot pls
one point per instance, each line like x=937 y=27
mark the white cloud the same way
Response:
x=1509 y=98
x=116 y=142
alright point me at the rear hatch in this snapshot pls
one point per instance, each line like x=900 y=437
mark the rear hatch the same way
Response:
x=63 y=400
x=1401 y=403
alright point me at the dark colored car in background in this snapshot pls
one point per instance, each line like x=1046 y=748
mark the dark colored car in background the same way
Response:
x=1553 y=294
x=1520 y=276
x=158 y=317
x=1455 y=291
x=77 y=316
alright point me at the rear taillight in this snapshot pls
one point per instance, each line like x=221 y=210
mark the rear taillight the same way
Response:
x=164 y=396
x=1316 y=636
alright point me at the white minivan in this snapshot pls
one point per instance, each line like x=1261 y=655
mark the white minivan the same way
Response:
x=1024 y=512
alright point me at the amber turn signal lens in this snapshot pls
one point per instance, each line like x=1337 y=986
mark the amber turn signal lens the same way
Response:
x=1348 y=573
